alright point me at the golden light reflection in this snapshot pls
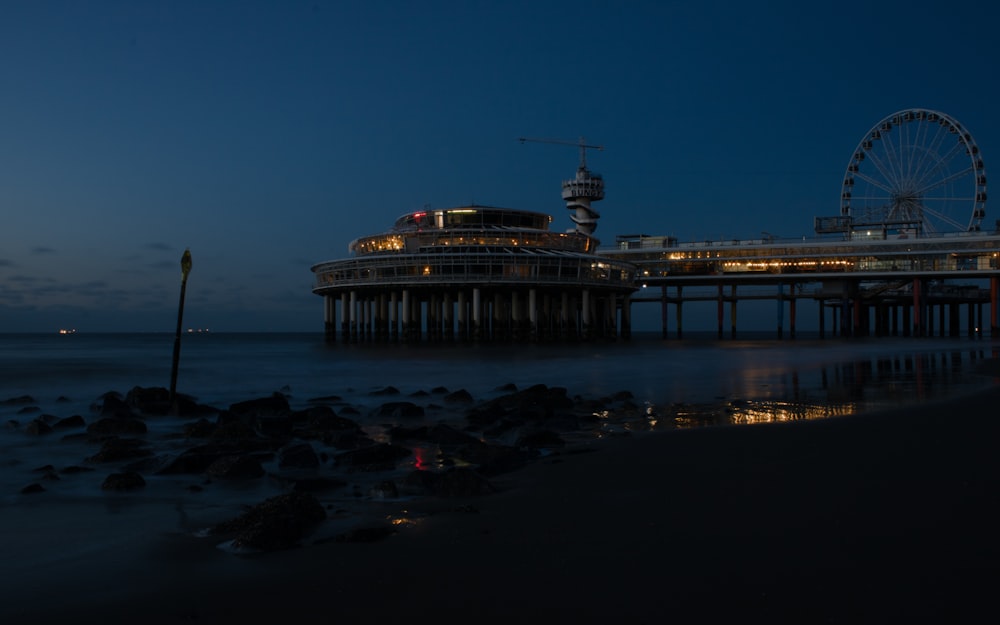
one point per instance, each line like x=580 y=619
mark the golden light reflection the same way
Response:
x=404 y=519
x=748 y=413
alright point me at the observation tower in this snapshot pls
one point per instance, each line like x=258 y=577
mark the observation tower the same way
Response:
x=581 y=191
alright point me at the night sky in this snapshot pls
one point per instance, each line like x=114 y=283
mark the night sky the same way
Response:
x=265 y=136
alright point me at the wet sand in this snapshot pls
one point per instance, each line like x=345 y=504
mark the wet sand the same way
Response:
x=888 y=517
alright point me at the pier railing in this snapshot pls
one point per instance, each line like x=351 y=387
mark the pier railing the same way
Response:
x=494 y=268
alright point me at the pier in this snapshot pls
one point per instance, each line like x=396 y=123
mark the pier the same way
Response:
x=908 y=255
x=899 y=286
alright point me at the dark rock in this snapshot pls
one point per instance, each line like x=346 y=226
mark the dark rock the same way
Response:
x=115 y=449
x=18 y=401
x=399 y=410
x=385 y=490
x=38 y=427
x=389 y=390
x=62 y=399
x=74 y=469
x=322 y=420
x=76 y=421
x=234 y=432
x=242 y=466
x=148 y=464
x=401 y=433
x=460 y=396
x=366 y=534
x=486 y=414
x=298 y=455
x=324 y=399
x=353 y=439
x=123 y=482
x=539 y=439
x=154 y=400
x=274 y=406
x=112 y=405
x=444 y=434
x=29 y=410
x=316 y=484
x=439 y=390
x=31 y=489
x=382 y=456
x=202 y=428
x=198 y=459
x=116 y=426
x=277 y=523
x=276 y=426
x=509 y=387
x=418 y=482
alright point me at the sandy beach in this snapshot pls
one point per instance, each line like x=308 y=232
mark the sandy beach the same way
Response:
x=887 y=517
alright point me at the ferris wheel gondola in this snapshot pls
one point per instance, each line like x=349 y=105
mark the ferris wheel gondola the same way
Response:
x=916 y=171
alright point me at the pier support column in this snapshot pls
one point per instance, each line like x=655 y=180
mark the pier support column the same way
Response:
x=366 y=317
x=680 y=312
x=499 y=320
x=585 y=312
x=663 y=311
x=533 y=314
x=994 y=306
x=611 y=315
x=822 y=319
x=393 y=316
x=354 y=316
x=345 y=318
x=720 y=313
x=329 y=318
x=781 y=310
x=732 y=314
x=564 y=316
x=477 y=314
x=918 y=303
x=448 y=316
x=791 y=314
x=405 y=310
x=626 y=330
x=463 y=317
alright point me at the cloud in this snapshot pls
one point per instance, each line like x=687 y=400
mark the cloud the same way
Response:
x=160 y=247
x=39 y=249
x=6 y=262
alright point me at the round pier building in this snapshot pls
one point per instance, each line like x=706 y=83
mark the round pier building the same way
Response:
x=479 y=273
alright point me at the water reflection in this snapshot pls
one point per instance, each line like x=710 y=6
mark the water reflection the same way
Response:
x=775 y=394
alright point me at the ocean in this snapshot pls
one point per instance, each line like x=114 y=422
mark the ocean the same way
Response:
x=65 y=374
x=693 y=382
x=73 y=525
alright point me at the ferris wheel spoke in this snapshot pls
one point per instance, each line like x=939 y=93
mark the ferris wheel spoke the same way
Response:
x=875 y=183
x=945 y=218
x=885 y=171
x=946 y=180
x=934 y=147
x=940 y=166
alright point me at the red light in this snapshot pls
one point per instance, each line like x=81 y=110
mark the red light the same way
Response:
x=419 y=215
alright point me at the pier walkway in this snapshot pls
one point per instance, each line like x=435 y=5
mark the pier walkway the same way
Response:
x=871 y=284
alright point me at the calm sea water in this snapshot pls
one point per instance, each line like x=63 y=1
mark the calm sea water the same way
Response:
x=219 y=369
x=77 y=527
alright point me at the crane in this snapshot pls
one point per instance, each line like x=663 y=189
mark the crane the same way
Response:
x=579 y=143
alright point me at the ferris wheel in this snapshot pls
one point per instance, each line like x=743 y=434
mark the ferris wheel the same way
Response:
x=916 y=171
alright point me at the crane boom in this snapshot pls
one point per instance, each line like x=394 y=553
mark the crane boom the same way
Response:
x=580 y=143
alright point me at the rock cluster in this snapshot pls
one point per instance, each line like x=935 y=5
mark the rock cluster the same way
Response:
x=314 y=447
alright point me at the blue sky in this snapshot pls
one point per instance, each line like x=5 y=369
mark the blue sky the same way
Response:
x=265 y=136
